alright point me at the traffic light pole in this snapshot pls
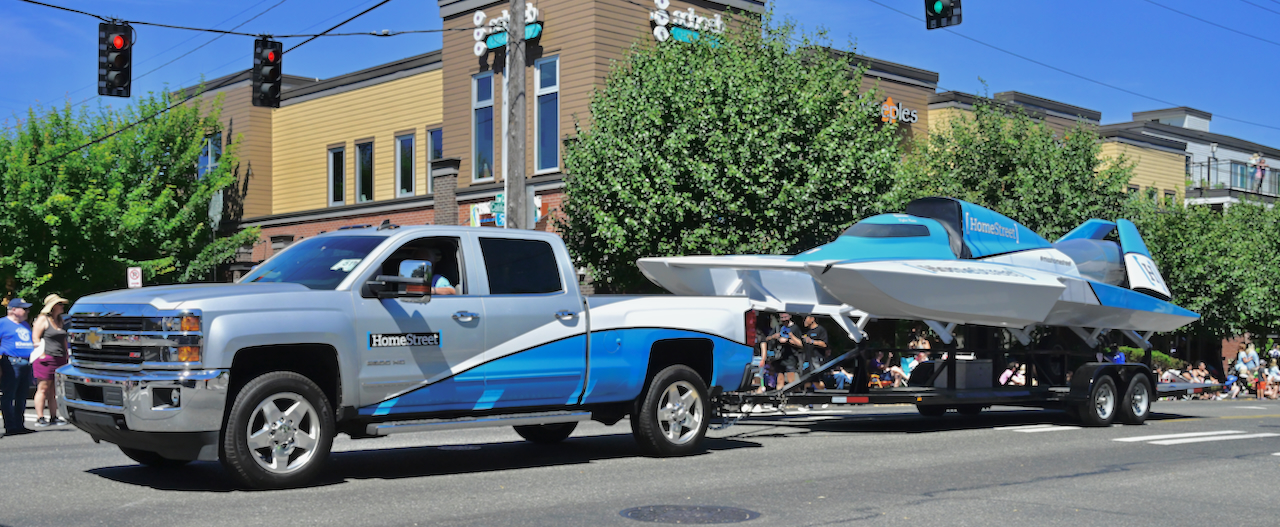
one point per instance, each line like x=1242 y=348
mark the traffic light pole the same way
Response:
x=514 y=143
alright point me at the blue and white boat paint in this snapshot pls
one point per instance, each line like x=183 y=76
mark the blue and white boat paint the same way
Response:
x=949 y=262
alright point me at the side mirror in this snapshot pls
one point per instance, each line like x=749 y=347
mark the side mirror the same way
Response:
x=413 y=281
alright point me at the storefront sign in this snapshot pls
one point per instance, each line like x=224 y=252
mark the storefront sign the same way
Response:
x=894 y=113
x=492 y=34
x=684 y=26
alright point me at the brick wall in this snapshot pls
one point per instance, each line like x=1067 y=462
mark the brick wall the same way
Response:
x=300 y=231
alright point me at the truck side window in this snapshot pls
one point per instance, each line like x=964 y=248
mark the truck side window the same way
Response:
x=520 y=266
x=449 y=266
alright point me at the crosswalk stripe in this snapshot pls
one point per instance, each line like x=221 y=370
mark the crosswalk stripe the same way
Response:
x=1047 y=429
x=1213 y=438
x=1023 y=427
x=1176 y=436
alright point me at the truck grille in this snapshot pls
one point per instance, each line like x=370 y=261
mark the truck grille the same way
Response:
x=115 y=323
x=118 y=354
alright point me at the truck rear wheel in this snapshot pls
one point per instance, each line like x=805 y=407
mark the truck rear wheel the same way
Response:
x=931 y=410
x=672 y=419
x=1136 y=404
x=152 y=459
x=278 y=432
x=1100 y=408
x=546 y=434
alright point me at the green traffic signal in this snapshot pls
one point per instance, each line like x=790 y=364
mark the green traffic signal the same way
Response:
x=937 y=7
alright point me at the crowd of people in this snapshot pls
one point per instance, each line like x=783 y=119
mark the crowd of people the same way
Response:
x=1250 y=374
x=31 y=352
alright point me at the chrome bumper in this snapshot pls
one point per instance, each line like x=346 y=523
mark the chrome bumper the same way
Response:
x=145 y=399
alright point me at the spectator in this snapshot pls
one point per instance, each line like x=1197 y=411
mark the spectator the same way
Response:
x=1273 y=372
x=49 y=329
x=1275 y=351
x=1012 y=375
x=814 y=340
x=15 y=366
x=901 y=375
x=1252 y=360
x=789 y=358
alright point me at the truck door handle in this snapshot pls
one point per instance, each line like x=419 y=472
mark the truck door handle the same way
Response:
x=465 y=316
x=565 y=314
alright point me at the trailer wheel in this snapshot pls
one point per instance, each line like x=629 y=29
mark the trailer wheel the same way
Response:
x=1136 y=404
x=1100 y=408
x=931 y=410
x=546 y=434
x=278 y=432
x=673 y=416
x=152 y=459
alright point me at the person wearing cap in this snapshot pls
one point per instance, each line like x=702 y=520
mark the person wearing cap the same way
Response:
x=15 y=366
x=49 y=329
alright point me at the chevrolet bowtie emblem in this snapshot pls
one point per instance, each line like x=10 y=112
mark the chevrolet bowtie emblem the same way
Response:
x=94 y=338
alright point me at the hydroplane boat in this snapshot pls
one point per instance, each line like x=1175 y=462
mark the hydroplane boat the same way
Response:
x=948 y=262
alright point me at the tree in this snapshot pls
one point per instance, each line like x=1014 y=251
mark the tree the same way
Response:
x=73 y=221
x=1004 y=160
x=741 y=143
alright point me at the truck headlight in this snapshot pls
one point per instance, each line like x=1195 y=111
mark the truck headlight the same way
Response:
x=182 y=323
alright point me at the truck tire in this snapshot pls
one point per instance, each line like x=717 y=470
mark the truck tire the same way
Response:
x=278 y=432
x=931 y=410
x=546 y=434
x=152 y=459
x=1136 y=404
x=1100 y=408
x=673 y=416
x=969 y=409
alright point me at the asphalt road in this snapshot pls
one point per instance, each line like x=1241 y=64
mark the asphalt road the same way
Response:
x=871 y=465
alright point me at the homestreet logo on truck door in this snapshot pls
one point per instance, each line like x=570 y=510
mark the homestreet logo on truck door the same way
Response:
x=394 y=340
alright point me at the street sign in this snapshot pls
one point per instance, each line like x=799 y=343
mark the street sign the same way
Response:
x=135 y=277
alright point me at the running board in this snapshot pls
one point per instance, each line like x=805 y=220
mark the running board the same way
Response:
x=424 y=425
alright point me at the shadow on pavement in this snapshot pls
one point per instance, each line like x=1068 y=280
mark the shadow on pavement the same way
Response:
x=910 y=423
x=410 y=462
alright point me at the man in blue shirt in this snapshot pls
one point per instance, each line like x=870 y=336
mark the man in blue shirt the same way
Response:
x=15 y=366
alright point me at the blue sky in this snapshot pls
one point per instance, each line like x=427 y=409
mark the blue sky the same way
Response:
x=1131 y=44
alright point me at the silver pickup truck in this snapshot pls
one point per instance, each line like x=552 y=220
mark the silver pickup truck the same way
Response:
x=395 y=329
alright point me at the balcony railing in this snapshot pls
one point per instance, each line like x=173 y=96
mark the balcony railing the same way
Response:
x=1232 y=175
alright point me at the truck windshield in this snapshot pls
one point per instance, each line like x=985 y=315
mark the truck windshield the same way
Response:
x=318 y=263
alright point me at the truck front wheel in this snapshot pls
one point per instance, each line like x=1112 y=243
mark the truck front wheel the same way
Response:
x=278 y=432
x=672 y=418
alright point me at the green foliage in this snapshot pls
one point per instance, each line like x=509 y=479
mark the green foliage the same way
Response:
x=72 y=225
x=1002 y=159
x=1158 y=359
x=750 y=145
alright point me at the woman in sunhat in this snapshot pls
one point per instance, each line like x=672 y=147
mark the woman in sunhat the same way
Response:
x=49 y=329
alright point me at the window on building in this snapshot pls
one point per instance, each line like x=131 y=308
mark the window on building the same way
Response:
x=210 y=153
x=436 y=136
x=1133 y=190
x=364 y=172
x=1241 y=176
x=404 y=165
x=337 y=176
x=520 y=266
x=482 y=133
x=548 y=114
x=279 y=243
x=1272 y=183
x=1170 y=197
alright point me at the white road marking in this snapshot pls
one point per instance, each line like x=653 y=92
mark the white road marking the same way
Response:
x=1022 y=427
x=1251 y=407
x=1276 y=454
x=1214 y=438
x=1176 y=436
x=1030 y=429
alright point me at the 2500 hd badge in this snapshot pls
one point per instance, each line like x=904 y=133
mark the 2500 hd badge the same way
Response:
x=393 y=340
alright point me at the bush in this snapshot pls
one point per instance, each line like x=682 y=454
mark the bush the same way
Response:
x=1158 y=359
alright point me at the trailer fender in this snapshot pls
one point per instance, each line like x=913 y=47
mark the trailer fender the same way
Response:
x=1084 y=377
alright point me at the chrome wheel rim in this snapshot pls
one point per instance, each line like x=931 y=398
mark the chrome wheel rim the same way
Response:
x=680 y=412
x=1105 y=402
x=283 y=432
x=1140 y=400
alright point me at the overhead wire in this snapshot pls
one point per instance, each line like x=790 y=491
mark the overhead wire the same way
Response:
x=1066 y=72
x=1214 y=24
x=1264 y=8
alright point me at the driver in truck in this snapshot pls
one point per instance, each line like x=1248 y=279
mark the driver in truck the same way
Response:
x=433 y=253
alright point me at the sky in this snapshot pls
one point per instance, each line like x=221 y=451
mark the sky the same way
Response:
x=1156 y=57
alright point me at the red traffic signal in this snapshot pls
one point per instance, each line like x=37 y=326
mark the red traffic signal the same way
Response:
x=267 y=58
x=115 y=59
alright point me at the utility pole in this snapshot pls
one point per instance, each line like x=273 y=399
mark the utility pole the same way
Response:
x=513 y=152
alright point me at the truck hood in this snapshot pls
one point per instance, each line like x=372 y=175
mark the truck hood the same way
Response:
x=170 y=296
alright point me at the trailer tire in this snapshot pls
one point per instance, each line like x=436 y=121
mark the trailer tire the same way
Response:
x=1100 y=408
x=1136 y=405
x=673 y=415
x=152 y=459
x=931 y=410
x=260 y=434
x=546 y=434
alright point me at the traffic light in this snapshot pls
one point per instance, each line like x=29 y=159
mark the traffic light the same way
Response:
x=115 y=58
x=941 y=13
x=267 y=56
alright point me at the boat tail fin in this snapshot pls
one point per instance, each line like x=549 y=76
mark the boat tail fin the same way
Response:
x=1143 y=275
x=1094 y=229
